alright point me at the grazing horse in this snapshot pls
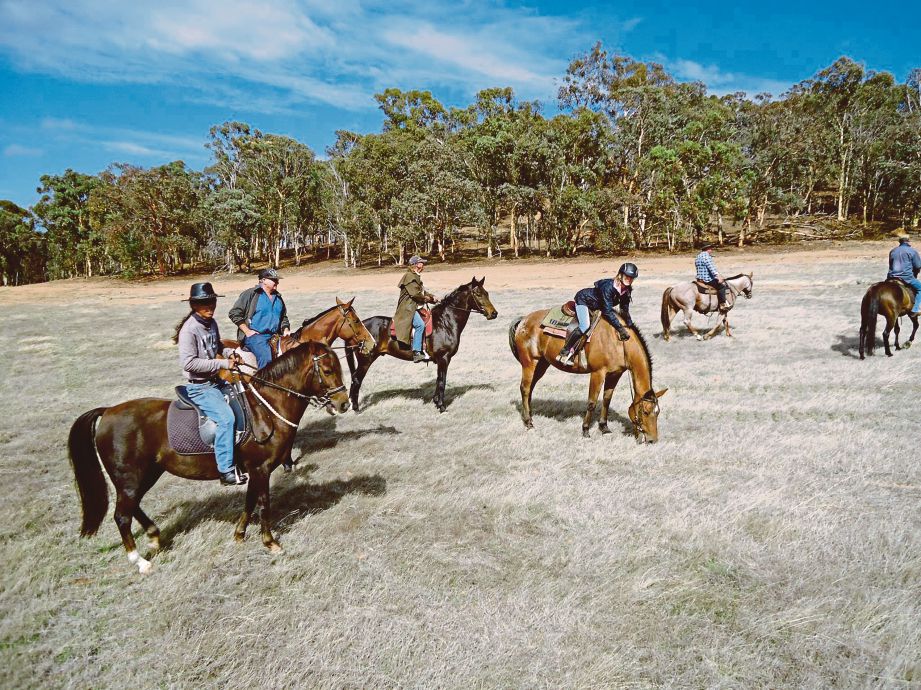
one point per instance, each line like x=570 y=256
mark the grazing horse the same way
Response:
x=687 y=298
x=607 y=358
x=339 y=321
x=131 y=441
x=449 y=318
x=892 y=299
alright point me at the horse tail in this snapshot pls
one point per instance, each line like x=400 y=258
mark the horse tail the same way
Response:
x=869 y=309
x=91 y=484
x=666 y=309
x=511 y=336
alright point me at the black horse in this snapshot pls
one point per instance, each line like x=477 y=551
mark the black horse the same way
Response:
x=449 y=317
x=892 y=298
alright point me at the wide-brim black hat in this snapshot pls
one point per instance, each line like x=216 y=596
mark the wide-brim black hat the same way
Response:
x=707 y=246
x=200 y=292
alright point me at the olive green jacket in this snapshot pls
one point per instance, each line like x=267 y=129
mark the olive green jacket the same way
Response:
x=412 y=294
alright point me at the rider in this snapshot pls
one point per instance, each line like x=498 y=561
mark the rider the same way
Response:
x=260 y=313
x=707 y=273
x=199 y=343
x=904 y=264
x=606 y=294
x=407 y=319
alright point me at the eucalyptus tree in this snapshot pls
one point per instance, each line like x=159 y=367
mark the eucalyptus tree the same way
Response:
x=74 y=247
x=22 y=249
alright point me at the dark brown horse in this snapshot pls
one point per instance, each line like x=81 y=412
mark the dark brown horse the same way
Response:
x=339 y=321
x=892 y=299
x=605 y=357
x=131 y=441
x=449 y=317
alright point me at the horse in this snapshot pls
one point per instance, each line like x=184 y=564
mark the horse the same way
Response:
x=339 y=321
x=449 y=318
x=687 y=298
x=892 y=299
x=605 y=357
x=130 y=440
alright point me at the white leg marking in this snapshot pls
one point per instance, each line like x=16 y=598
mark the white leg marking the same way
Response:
x=143 y=564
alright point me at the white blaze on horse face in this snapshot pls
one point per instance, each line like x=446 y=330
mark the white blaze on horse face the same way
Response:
x=143 y=564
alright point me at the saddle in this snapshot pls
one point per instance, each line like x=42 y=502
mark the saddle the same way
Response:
x=561 y=320
x=704 y=288
x=190 y=432
x=427 y=344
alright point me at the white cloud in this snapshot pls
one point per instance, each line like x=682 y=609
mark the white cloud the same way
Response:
x=720 y=82
x=280 y=54
x=20 y=150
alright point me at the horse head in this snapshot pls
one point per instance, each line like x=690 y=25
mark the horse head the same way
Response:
x=747 y=291
x=324 y=378
x=644 y=414
x=480 y=298
x=353 y=328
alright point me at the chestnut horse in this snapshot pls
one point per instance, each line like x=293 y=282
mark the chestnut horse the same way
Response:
x=339 y=321
x=892 y=299
x=130 y=440
x=605 y=357
x=449 y=317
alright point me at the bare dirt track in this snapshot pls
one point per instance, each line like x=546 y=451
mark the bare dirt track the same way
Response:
x=771 y=539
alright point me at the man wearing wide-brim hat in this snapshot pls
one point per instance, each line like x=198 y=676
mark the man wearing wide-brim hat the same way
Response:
x=406 y=318
x=904 y=264
x=260 y=313
x=707 y=273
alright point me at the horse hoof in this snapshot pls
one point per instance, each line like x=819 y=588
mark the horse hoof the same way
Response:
x=275 y=547
x=145 y=567
x=889 y=354
x=585 y=433
x=441 y=408
x=906 y=345
x=698 y=336
x=604 y=429
x=529 y=425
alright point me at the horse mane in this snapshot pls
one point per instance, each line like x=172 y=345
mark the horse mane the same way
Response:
x=447 y=299
x=319 y=316
x=738 y=275
x=285 y=364
x=645 y=347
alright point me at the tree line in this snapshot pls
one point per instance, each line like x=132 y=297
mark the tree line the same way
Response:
x=631 y=159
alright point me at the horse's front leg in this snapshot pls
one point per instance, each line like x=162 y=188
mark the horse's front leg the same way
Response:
x=688 y=315
x=886 y=331
x=530 y=374
x=897 y=346
x=914 y=329
x=261 y=479
x=239 y=534
x=719 y=323
x=726 y=325
x=594 y=388
x=610 y=383
x=440 y=382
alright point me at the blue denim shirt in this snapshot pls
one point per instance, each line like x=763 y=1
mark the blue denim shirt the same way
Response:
x=267 y=316
x=904 y=261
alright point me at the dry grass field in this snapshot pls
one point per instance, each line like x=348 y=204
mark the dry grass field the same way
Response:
x=771 y=539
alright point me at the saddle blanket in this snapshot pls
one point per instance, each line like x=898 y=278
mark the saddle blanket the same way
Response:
x=558 y=323
x=183 y=433
x=426 y=315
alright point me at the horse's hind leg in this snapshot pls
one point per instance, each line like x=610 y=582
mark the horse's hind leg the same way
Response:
x=914 y=329
x=886 y=331
x=610 y=383
x=688 y=315
x=594 y=388
x=896 y=328
x=262 y=502
x=125 y=506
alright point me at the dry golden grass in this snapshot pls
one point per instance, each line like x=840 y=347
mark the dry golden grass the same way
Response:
x=771 y=539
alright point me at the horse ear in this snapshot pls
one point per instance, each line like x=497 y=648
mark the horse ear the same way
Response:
x=339 y=301
x=482 y=280
x=349 y=303
x=662 y=392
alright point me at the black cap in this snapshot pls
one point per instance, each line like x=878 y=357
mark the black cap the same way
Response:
x=269 y=273
x=200 y=292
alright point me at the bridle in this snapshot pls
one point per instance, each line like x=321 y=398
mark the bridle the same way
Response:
x=477 y=310
x=638 y=406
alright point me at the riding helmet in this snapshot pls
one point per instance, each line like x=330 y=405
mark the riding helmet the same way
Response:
x=630 y=270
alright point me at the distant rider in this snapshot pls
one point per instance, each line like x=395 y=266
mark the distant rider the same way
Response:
x=707 y=273
x=605 y=295
x=904 y=264
x=407 y=319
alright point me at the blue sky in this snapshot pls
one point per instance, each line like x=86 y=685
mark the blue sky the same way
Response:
x=87 y=83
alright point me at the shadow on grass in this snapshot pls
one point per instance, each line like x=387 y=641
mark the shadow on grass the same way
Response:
x=847 y=345
x=322 y=435
x=565 y=410
x=425 y=392
x=298 y=497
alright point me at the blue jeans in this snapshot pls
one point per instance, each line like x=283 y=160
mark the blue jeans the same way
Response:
x=916 y=285
x=418 y=331
x=210 y=399
x=259 y=345
x=585 y=317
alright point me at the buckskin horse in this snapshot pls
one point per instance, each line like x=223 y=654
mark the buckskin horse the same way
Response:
x=892 y=299
x=130 y=439
x=606 y=358
x=688 y=298
x=449 y=318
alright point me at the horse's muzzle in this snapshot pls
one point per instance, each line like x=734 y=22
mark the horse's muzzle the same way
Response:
x=493 y=315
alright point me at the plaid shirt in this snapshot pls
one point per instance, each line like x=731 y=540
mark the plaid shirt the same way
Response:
x=706 y=269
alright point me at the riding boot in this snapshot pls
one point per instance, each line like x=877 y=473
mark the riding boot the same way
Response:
x=569 y=347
